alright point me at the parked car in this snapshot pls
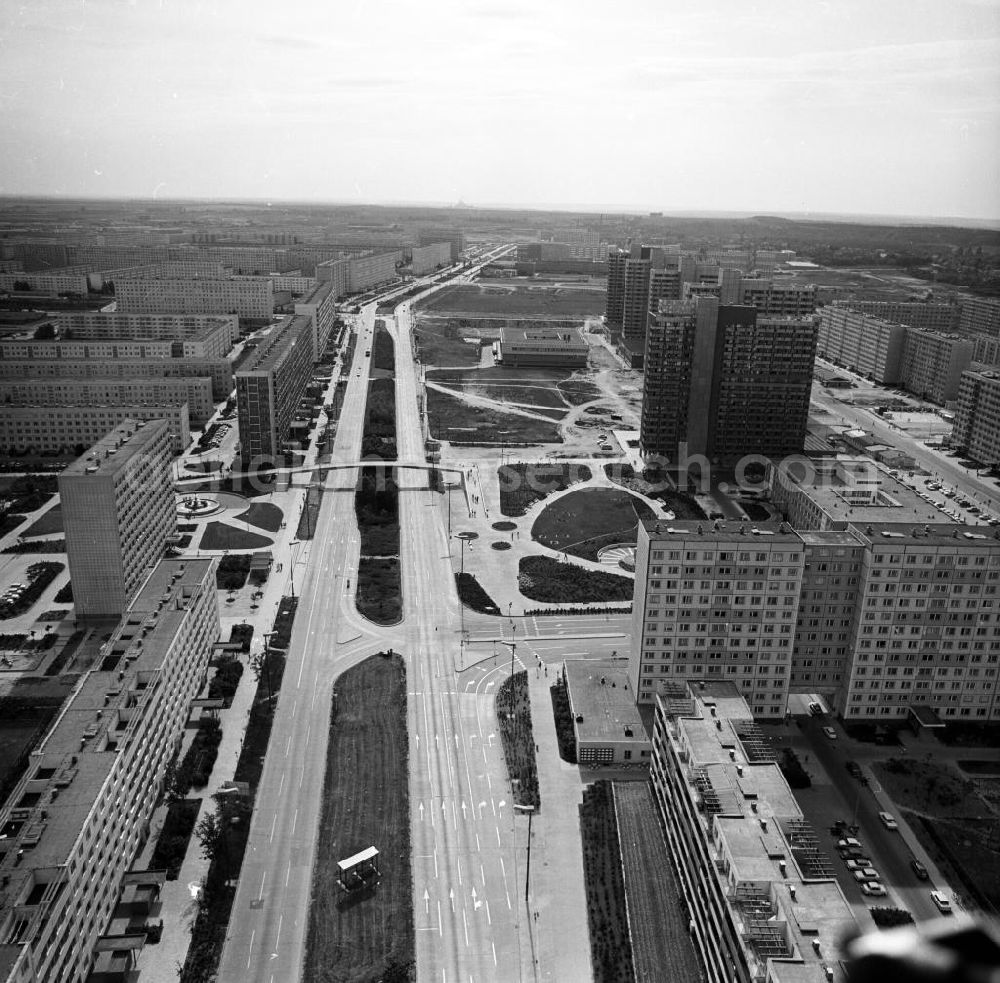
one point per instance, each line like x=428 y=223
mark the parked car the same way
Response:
x=867 y=874
x=816 y=710
x=941 y=902
x=873 y=889
x=830 y=733
x=888 y=821
x=920 y=870
x=849 y=843
x=859 y=863
x=854 y=769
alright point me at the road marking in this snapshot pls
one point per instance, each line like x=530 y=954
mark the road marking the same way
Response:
x=263 y=877
x=295 y=820
x=489 y=919
x=498 y=835
x=478 y=848
x=494 y=948
x=281 y=784
x=482 y=875
x=278 y=936
x=308 y=731
x=451 y=897
x=440 y=927
x=250 y=950
x=465 y=922
x=270 y=839
x=288 y=744
x=459 y=859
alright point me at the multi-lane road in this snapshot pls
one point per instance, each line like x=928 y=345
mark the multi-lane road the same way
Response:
x=468 y=844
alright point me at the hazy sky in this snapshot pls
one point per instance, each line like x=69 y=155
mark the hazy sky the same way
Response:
x=874 y=106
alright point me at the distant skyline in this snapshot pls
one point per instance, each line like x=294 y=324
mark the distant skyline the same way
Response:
x=840 y=107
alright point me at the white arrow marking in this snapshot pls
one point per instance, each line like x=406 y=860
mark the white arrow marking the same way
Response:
x=427 y=901
x=463 y=811
x=451 y=896
x=456 y=740
x=490 y=683
x=418 y=740
x=421 y=807
x=437 y=741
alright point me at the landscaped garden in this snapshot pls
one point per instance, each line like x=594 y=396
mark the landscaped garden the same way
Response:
x=366 y=935
x=47 y=523
x=472 y=594
x=563 y=715
x=541 y=578
x=263 y=515
x=172 y=843
x=220 y=536
x=680 y=503
x=610 y=945
x=380 y=593
x=585 y=521
x=521 y=485
x=513 y=706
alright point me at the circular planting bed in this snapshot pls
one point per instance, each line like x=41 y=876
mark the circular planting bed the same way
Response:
x=467 y=535
x=197 y=506
x=500 y=544
x=504 y=526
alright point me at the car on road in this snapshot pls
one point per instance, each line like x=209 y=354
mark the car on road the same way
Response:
x=854 y=769
x=816 y=709
x=873 y=889
x=888 y=821
x=941 y=902
x=849 y=843
x=920 y=870
x=858 y=863
x=867 y=874
x=830 y=733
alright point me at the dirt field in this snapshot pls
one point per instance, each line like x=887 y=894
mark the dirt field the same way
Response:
x=357 y=937
x=454 y=419
x=661 y=946
x=508 y=300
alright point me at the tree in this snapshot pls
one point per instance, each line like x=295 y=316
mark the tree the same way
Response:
x=45 y=332
x=22 y=285
x=211 y=833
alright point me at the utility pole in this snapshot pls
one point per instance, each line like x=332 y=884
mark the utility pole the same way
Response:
x=267 y=665
x=291 y=574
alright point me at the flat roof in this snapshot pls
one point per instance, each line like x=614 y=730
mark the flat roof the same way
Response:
x=278 y=341
x=369 y=853
x=116 y=448
x=928 y=534
x=724 y=530
x=608 y=708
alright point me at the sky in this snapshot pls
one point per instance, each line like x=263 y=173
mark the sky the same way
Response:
x=888 y=107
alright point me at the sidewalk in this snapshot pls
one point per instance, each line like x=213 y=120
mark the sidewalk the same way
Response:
x=556 y=891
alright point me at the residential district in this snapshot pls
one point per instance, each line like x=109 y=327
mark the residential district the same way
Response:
x=467 y=595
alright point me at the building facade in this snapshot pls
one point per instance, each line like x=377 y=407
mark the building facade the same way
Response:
x=245 y=296
x=429 y=257
x=913 y=313
x=861 y=342
x=977 y=416
x=542 y=345
x=726 y=380
x=195 y=392
x=202 y=335
x=933 y=363
x=118 y=510
x=886 y=619
x=78 y=818
x=320 y=304
x=269 y=388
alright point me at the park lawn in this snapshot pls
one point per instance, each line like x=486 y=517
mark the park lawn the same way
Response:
x=929 y=788
x=441 y=341
x=47 y=523
x=220 y=536
x=521 y=485
x=586 y=520
x=540 y=578
x=507 y=300
x=452 y=418
x=366 y=802
x=680 y=503
x=263 y=515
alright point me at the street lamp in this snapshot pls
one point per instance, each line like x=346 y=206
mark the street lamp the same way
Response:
x=513 y=649
x=291 y=573
x=267 y=664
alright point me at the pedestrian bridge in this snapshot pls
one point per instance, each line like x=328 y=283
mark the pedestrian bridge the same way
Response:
x=285 y=476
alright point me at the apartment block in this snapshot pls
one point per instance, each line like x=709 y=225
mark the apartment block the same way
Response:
x=335 y=273
x=977 y=416
x=246 y=296
x=889 y=620
x=726 y=380
x=49 y=284
x=980 y=316
x=933 y=363
x=780 y=298
x=319 y=304
x=200 y=335
x=62 y=430
x=635 y=303
x=454 y=237
x=429 y=257
x=913 y=313
x=861 y=342
x=219 y=370
x=76 y=821
x=716 y=601
x=195 y=392
x=118 y=510
x=762 y=899
x=365 y=272
x=615 y=302
x=269 y=388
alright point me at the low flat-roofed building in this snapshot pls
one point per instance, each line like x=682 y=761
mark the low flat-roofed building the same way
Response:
x=609 y=730
x=763 y=900
x=844 y=489
x=542 y=345
x=77 y=819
